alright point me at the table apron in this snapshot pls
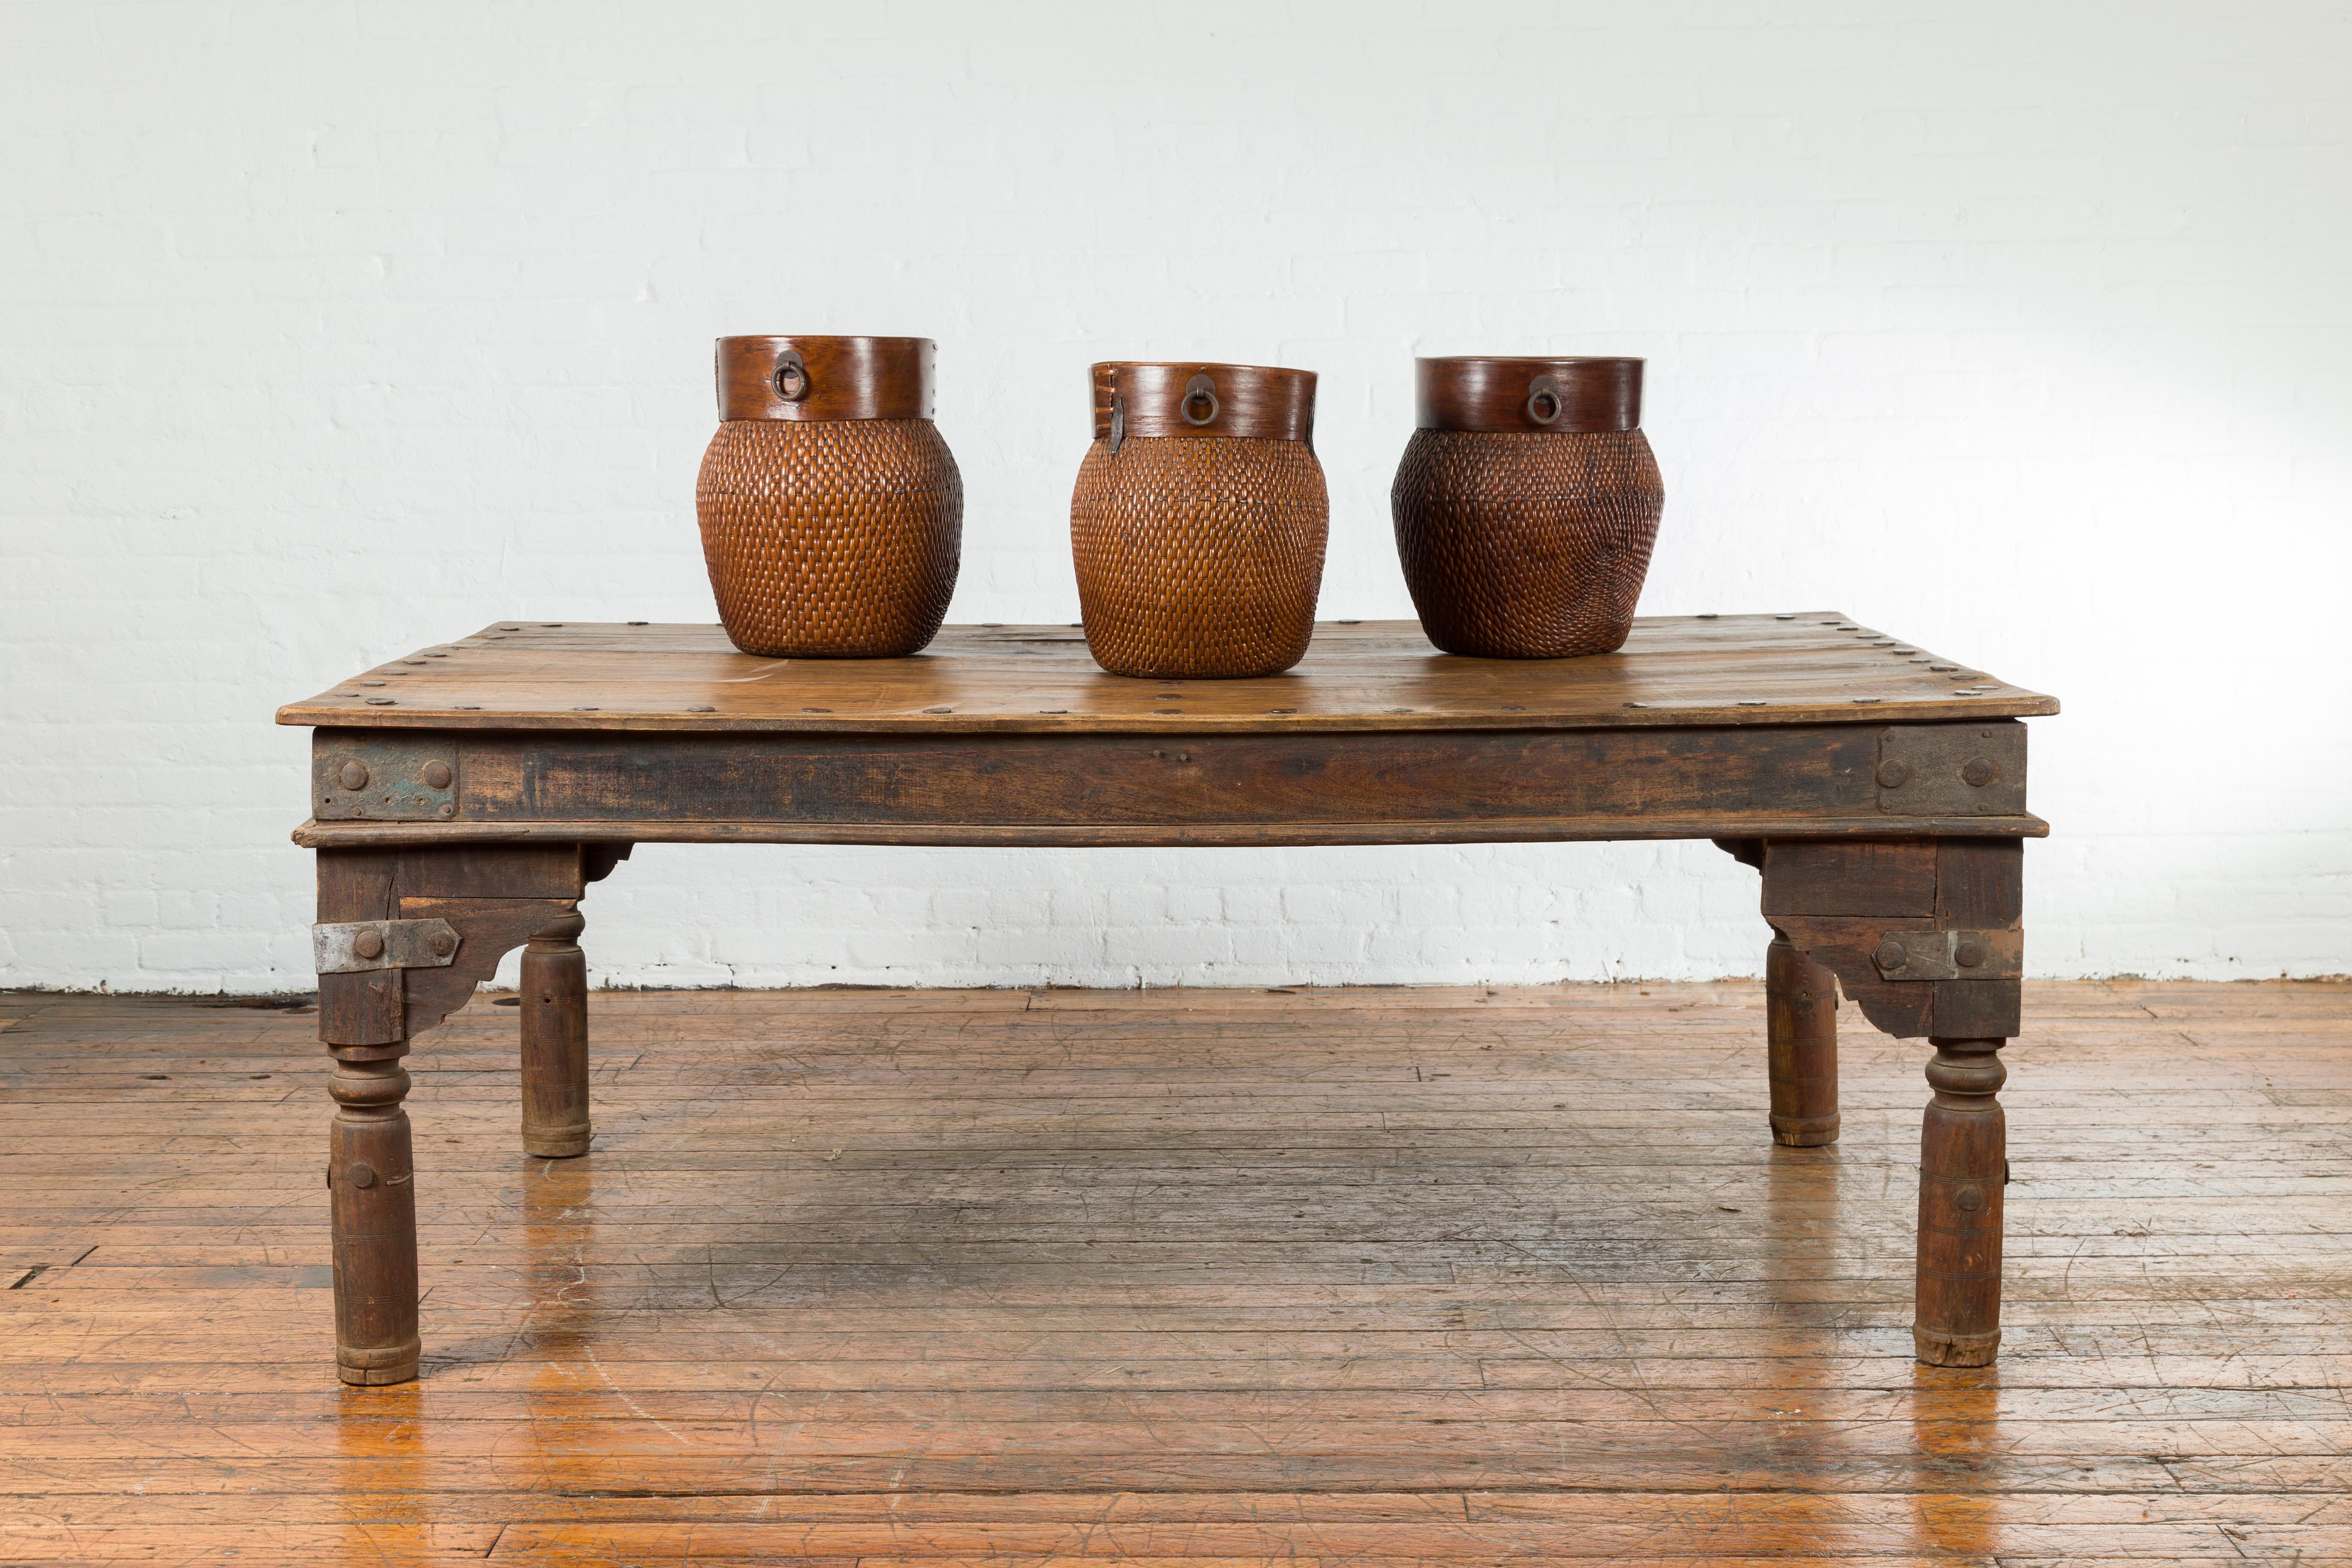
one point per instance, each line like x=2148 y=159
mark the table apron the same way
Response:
x=1420 y=786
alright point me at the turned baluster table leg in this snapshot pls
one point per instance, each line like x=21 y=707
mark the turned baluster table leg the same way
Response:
x=556 y=1041
x=371 y=1175
x=1963 y=1165
x=1801 y=1030
x=404 y=937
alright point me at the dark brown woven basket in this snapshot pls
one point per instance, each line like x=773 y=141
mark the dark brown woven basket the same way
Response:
x=1199 y=519
x=832 y=512
x=1527 y=505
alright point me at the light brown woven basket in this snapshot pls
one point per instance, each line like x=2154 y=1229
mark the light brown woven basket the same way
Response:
x=1199 y=521
x=831 y=509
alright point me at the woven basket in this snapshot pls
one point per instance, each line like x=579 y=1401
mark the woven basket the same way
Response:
x=1527 y=504
x=832 y=512
x=1199 y=521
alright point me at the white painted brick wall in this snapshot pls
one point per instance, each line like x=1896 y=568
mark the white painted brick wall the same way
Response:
x=332 y=328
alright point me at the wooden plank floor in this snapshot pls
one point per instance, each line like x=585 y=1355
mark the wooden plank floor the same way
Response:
x=1355 y=1277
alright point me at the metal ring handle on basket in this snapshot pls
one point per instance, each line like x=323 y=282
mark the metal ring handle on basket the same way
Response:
x=1543 y=392
x=792 y=377
x=1198 y=389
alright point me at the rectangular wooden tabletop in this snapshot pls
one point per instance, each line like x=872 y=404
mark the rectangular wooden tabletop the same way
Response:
x=1811 y=666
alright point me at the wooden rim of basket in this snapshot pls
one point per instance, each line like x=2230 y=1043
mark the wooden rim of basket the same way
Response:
x=1237 y=402
x=1528 y=393
x=824 y=378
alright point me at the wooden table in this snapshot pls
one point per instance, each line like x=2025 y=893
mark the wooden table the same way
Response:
x=463 y=796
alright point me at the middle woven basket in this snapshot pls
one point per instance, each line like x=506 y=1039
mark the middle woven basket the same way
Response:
x=1199 y=521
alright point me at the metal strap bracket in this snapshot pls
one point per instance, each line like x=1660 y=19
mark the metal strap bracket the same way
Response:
x=1952 y=770
x=383 y=776
x=1951 y=955
x=355 y=947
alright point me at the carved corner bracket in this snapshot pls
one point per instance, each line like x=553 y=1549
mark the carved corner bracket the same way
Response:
x=489 y=929
x=1924 y=934
x=494 y=898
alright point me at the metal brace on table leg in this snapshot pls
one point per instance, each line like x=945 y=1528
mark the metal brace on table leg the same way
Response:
x=355 y=947
x=1951 y=955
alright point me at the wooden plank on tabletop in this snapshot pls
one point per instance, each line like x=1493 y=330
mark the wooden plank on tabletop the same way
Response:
x=1813 y=666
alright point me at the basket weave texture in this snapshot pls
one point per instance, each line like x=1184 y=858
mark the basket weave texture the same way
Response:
x=1527 y=545
x=830 y=539
x=1199 y=558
